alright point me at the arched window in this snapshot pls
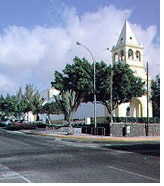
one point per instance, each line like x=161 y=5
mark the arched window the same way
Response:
x=130 y=54
x=116 y=58
x=138 y=55
x=121 y=55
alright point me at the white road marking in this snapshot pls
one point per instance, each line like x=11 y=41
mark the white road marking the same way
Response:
x=135 y=174
x=6 y=173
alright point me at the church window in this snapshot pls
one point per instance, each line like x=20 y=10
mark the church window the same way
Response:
x=138 y=56
x=121 y=55
x=116 y=59
x=130 y=54
x=121 y=39
x=130 y=37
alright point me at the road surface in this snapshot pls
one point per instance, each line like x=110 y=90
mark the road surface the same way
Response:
x=39 y=159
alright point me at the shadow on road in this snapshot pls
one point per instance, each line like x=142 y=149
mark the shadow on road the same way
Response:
x=146 y=149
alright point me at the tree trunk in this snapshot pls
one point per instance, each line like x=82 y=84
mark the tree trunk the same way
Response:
x=48 y=118
x=108 y=107
x=70 y=124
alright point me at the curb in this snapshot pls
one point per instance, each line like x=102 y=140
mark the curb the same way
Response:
x=98 y=138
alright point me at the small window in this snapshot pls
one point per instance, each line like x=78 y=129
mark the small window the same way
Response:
x=130 y=37
x=138 y=55
x=121 y=39
x=130 y=54
x=116 y=58
x=121 y=55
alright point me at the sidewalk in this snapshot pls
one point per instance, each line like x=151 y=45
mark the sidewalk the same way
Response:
x=59 y=134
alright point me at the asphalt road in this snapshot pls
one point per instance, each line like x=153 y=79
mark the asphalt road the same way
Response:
x=36 y=159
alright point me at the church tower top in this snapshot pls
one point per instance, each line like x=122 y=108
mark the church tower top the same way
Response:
x=127 y=37
x=128 y=50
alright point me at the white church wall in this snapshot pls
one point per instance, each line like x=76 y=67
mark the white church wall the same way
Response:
x=29 y=116
x=87 y=110
x=122 y=109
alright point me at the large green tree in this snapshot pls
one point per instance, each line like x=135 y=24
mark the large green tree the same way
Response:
x=79 y=77
x=20 y=103
x=8 y=105
x=156 y=96
x=125 y=86
x=32 y=99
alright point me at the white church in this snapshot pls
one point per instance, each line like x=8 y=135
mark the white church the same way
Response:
x=127 y=50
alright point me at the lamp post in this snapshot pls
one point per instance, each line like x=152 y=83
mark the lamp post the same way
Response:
x=94 y=80
x=111 y=92
x=147 y=125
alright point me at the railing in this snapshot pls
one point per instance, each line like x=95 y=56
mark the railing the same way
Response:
x=94 y=131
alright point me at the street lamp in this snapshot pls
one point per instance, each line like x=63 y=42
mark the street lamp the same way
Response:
x=147 y=125
x=111 y=92
x=94 y=80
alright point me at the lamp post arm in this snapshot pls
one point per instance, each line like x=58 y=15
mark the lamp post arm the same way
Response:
x=94 y=68
x=94 y=80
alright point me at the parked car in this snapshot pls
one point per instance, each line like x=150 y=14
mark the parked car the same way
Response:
x=6 y=123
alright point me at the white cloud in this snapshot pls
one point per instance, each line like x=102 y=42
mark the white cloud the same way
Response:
x=32 y=56
x=6 y=84
x=151 y=51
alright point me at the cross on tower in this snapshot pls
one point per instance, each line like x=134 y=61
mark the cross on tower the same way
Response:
x=126 y=15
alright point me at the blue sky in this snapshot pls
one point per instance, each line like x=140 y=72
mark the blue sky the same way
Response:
x=38 y=37
x=29 y=13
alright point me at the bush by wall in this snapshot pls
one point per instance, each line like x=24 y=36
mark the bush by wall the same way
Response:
x=106 y=120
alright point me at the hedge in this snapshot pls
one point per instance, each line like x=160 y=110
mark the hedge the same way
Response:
x=126 y=120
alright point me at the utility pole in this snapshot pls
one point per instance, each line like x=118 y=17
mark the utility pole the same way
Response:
x=111 y=91
x=111 y=95
x=147 y=125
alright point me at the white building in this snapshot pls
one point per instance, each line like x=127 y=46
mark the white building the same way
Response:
x=30 y=117
x=128 y=50
x=48 y=94
x=85 y=110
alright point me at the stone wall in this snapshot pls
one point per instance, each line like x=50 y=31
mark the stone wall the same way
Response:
x=136 y=129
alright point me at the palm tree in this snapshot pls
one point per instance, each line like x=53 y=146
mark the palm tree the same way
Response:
x=68 y=102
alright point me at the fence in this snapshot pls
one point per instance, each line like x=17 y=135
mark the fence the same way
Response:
x=95 y=131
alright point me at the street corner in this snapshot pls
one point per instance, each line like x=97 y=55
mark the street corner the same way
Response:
x=93 y=137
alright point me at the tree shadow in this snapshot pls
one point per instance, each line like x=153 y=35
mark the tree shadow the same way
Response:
x=145 y=149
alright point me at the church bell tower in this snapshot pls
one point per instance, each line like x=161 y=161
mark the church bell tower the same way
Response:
x=129 y=51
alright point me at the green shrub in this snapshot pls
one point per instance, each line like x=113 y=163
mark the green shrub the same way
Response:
x=2 y=124
x=28 y=126
x=13 y=127
x=41 y=125
x=106 y=120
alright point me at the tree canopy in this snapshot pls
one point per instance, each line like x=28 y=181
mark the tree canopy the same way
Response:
x=20 y=103
x=156 y=96
x=79 y=77
x=125 y=86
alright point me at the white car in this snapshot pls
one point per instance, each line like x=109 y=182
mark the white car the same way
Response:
x=8 y=122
